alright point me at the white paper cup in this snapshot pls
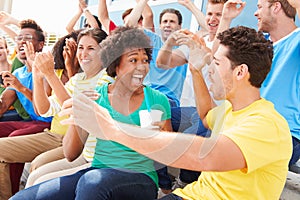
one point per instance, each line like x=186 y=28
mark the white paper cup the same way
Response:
x=146 y=118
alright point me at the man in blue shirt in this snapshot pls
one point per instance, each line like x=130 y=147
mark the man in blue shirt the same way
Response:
x=19 y=84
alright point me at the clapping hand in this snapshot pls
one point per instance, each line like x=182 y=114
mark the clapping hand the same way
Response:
x=87 y=114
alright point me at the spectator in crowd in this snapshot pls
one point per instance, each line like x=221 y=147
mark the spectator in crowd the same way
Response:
x=185 y=118
x=250 y=140
x=120 y=172
x=141 y=15
x=6 y=21
x=43 y=68
x=19 y=85
x=5 y=65
x=91 y=21
x=16 y=168
x=170 y=82
x=277 y=19
x=4 y=51
x=39 y=168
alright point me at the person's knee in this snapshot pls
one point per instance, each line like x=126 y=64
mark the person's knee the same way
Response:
x=94 y=178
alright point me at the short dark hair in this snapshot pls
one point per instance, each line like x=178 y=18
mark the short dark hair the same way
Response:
x=247 y=46
x=171 y=10
x=29 y=23
x=120 y=40
x=96 y=33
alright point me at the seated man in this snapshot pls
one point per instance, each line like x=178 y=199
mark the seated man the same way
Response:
x=248 y=153
x=19 y=85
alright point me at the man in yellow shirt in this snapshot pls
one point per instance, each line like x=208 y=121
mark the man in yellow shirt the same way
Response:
x=248 y=153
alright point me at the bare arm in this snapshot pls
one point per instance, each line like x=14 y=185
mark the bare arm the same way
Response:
x=70 y=26
x=178 y=150
x=40 y=97
x=148 y=18
x=181 y=150
x=88 y=15
x=136 y=13
x=103 y=14
x=200 y=17
x=12 y=34
x=12 y=81
x=230 y=11
x=7 y=98
x=141 y=9
x=73 y=142
x=295 y=4
x=169 y=58
x=44 y=66
x=5 y=20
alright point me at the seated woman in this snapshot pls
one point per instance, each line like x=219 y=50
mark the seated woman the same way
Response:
x=117 y=171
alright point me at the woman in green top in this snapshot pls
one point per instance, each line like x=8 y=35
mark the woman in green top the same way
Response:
x=117 y=171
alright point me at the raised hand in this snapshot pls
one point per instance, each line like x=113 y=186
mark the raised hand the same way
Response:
x=185 y=3
x=5 y=18
x=82 y=4
x=295 y=3
x=232 y=8
x=30 y=53
x=45 y=63
x=199 y=54
x=11 y=81
x=88 y=115
x=69 y=54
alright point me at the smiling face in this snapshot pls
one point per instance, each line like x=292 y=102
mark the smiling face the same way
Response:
x=213 y=16
x=264 y=16
x=169 y=23
x=221 y=75
x=3 y=50
x=88 y=56
x=27 y=34
x=134 y=66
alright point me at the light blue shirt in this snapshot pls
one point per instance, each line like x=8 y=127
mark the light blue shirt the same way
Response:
x=169 y=82
x=25 y=79
x=282 y=85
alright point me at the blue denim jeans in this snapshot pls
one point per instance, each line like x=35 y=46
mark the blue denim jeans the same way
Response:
x=171 y=197
x=93 y=183
x=164 y=180
x=10 y=115
x=187 y=120
x=296 y=151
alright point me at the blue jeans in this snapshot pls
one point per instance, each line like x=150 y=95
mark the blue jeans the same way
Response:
x=171 y=197
x=93 y=183
x=164 y=180
x=11 y=115
x=296 y=151
x=187 y=120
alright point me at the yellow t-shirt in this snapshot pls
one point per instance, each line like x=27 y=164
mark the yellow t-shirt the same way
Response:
x=56 y=126
x=263 y=136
